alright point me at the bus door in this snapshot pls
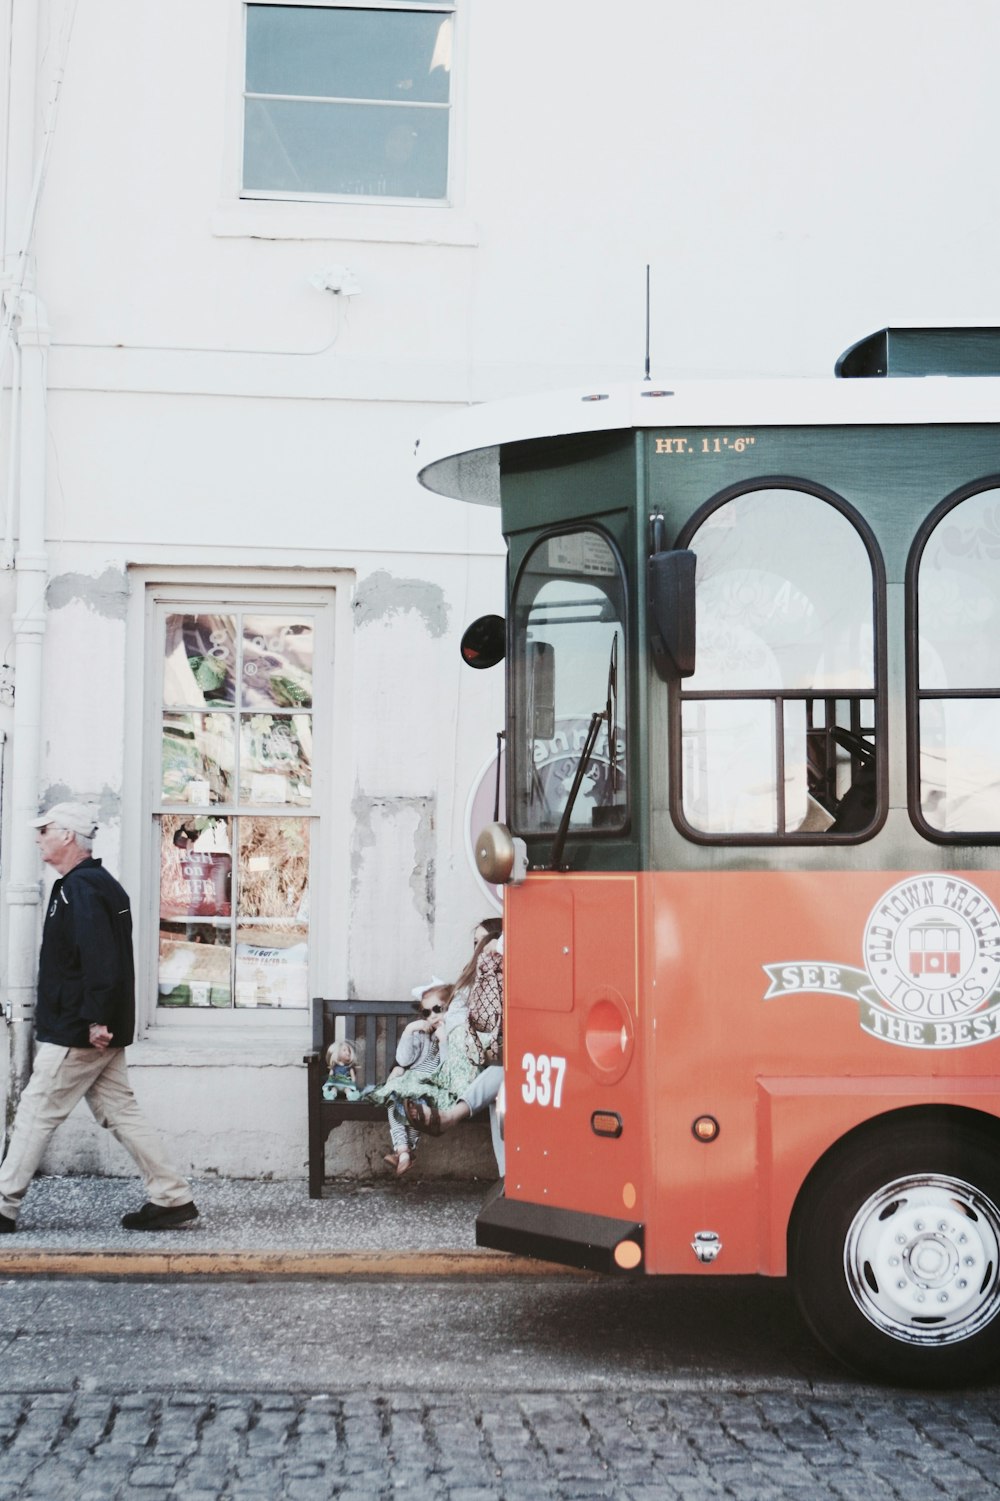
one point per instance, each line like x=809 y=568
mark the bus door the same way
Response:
x=573 y=1015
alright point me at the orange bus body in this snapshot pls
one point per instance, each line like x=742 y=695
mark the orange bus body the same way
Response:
x=677 y=996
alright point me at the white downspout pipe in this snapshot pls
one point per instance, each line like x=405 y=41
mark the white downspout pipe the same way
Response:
x=25 y=330
x=23 y=885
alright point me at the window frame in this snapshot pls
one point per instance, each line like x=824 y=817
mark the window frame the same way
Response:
x=575 y=835
x=157 y=592
x=915 y=696
x=878 y=693
x=342 y=201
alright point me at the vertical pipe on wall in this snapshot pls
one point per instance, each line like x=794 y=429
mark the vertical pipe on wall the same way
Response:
x=26 y=324
x=23 y=887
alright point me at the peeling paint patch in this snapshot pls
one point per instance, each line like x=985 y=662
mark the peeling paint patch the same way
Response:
x=381 y=596
x=105 y=594
x=422 y=877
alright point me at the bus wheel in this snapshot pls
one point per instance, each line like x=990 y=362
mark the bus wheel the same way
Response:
x=894 y=1254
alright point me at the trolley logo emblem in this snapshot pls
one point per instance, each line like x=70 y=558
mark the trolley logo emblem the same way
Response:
x=931 y=979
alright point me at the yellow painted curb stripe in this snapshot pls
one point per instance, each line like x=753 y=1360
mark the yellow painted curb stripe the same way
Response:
x=277 y=1264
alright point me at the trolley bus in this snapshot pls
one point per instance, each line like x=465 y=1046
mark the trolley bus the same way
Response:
x=749 y=848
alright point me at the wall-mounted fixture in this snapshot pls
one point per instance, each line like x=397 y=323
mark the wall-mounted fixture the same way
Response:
x=340 y=280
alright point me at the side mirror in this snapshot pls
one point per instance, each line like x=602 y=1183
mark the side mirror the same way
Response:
x=485 y=642
x=671 y=609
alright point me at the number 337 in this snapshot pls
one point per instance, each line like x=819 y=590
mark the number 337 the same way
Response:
x=543 y=1080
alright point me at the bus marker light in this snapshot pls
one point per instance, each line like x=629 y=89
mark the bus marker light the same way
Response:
x=629 y=1196
x=628 y=1255
x=705 y=1128
x=606 y=1123
x=706 y=1245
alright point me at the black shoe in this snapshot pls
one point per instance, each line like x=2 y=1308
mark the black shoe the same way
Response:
x=7 y=1225
x=158 y=1216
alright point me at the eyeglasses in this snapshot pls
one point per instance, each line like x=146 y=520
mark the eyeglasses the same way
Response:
x=431 y=1011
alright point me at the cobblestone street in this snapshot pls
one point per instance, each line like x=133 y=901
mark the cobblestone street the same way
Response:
x=457 y=1389
x=535 y=1447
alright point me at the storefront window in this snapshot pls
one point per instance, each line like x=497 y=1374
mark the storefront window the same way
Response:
x=235 y=818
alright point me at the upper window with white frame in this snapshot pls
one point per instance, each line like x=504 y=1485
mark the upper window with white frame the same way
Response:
x=348 y=102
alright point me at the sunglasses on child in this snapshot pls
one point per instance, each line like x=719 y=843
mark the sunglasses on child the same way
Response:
x=428 y=1010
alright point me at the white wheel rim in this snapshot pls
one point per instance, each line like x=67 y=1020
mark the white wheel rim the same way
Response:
x=922 y=1260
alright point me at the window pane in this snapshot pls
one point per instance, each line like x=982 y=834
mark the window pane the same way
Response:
x=197 y=758
x=959 y=597
x=959 y=764
x=349 y=54
x=274 y=870
x=784 y=596
x=199 y=661
x=277 y=662
x=729 y=766
x=800 y=810
x=568 y=664
x=194 y=964
x=276 y=758
x=195 y=867
x=272 y=966
x=370 y=150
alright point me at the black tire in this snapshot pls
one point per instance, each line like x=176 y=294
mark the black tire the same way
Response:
x=894 y=1252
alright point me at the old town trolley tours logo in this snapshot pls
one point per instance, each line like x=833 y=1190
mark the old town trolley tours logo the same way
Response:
x=931 y=952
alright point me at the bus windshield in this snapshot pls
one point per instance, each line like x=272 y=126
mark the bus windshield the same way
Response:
x=568 y=666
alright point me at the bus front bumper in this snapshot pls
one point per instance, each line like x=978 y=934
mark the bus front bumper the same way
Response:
x=565 y=1236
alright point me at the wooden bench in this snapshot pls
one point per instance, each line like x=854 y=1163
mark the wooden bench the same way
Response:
x=374 y=1028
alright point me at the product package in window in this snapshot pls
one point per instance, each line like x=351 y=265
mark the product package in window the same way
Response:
x=195 y=883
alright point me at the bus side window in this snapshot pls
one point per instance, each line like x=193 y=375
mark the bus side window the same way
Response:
x=954 y=587
x=777 y=725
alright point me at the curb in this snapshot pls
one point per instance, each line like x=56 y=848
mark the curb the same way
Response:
x=277 y=1264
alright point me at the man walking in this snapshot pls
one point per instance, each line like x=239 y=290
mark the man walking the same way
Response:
x=84 y=1020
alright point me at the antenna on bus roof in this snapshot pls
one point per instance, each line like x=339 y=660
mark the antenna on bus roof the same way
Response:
x=647 y=376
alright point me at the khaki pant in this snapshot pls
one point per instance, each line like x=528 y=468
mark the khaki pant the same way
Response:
x=60 y=1078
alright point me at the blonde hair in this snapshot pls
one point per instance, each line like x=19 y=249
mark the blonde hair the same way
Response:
x=446 y=992
x=333 y=1052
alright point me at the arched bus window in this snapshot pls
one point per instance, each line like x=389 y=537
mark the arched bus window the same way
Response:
x=954 y=602
x=779 y=728
x=568 y=663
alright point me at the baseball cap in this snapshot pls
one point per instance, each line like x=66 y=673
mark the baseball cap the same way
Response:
x=76 y=817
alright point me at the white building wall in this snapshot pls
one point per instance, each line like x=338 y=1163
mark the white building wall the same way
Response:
x=796 y=176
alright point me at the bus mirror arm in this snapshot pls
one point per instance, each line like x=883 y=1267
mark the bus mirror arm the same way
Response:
x=670 y=580
x=559 y=843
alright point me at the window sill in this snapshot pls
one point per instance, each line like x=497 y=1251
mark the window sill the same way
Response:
x=219 y=1046
x=266 y=219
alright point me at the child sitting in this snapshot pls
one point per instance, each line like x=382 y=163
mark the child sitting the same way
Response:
x=419 y=1048
x=341 y=1060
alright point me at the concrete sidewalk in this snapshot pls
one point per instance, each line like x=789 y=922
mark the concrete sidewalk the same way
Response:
x=71 y=1226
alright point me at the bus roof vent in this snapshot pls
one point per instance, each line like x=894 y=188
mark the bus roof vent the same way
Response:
x=923 y=351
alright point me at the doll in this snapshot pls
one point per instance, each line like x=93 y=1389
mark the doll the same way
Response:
x=341 y=1060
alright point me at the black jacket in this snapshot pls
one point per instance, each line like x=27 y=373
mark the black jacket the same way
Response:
x=86 y=972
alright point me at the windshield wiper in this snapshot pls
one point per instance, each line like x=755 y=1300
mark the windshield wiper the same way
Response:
x=596 y=720
x=608 y=713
